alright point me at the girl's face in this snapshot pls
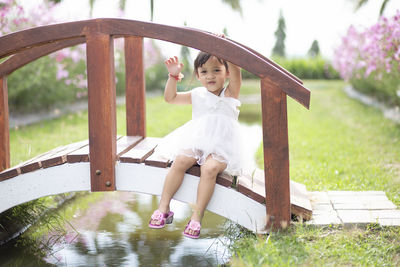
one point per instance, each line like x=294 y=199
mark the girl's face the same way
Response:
x=212 y=75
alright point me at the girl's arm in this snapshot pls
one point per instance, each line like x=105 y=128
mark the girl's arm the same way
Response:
x=170 y=95
x=235 y=81
x=235 y=78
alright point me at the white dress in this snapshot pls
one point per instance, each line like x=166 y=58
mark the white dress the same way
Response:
x=213 y=130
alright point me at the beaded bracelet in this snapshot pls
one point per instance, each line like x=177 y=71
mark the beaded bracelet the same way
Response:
x=176 y=77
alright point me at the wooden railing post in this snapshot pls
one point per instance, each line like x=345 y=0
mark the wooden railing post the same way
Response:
x=4 y=126
x=276 y=154
x=135 y=87
x=102 y=111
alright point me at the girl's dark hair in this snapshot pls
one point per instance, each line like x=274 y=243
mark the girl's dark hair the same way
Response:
x=202 y=58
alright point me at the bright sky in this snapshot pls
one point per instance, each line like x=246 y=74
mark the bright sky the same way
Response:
x=306 y=20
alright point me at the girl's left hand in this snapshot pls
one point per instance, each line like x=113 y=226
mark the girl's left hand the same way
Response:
x=173 y=65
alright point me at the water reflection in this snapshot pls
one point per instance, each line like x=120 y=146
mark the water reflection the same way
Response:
x=114 y=232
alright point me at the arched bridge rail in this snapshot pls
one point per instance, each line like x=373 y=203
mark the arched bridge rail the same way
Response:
x=224 y=48
x=28 y=45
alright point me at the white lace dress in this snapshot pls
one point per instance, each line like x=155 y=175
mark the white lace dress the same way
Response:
x=213 y=130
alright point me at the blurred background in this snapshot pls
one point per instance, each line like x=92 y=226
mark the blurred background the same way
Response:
x=312 y=39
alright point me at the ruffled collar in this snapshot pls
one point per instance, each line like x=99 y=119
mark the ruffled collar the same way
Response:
x=213 y=100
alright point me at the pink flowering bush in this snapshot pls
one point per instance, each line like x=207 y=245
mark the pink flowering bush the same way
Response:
x=50 y=80
x=369 y=59
x=11 y=16
x=61 y=77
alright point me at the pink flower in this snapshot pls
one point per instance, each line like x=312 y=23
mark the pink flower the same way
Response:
x=372 y=50
x=397 y=54
x=60 y=56
x=370 y=69
x=61 y=72
x=75 y=56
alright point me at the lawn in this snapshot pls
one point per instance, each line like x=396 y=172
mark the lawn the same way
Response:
x=339 y=144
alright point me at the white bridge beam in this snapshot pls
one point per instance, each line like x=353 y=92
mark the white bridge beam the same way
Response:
x=140 y=178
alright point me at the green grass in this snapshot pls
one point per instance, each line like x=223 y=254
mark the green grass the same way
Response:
x=310 y=246
x=339 y=144
x=250 y=87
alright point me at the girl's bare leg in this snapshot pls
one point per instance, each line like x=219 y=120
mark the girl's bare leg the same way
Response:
x=173 y=181
x=208 y=175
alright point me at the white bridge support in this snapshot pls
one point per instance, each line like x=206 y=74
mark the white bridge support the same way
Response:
x=139 y=178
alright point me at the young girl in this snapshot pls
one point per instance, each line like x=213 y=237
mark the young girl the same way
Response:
x=210 y=139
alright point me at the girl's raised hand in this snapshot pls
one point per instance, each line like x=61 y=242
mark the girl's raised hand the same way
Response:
x=173 y=65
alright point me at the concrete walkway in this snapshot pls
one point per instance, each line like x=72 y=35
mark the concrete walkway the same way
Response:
x=349 y=208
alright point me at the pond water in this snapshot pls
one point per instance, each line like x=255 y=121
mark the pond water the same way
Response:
x=112 y=230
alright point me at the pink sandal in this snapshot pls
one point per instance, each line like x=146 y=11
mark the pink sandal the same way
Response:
x=195 y=227
x=163 y=218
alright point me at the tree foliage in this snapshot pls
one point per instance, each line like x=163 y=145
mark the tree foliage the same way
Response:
x=360 y=3
x=280 y=34
x=314 y=49
x=234 y=4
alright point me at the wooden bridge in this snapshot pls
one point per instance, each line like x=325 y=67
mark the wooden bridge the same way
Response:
x=107 y=162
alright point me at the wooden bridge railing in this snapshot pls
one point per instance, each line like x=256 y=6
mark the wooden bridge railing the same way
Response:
x=27 y=45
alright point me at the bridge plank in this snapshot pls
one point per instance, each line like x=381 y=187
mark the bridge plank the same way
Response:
x=79 y=155
x=225 y=179
x=141 y=151
x=16 y=170
x=194 y=170
x=157 y=161
x=61 y=156
x=248 y=187
x=77 y=152
x=9 y=173
x=35 y=163
x=300 y=203
x=254 y=188
x=126 y=143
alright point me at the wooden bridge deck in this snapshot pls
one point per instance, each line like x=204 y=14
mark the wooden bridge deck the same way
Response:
x=139 y=150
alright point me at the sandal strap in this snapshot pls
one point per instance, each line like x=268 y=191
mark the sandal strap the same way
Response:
x=158 y=215
x=194 y=226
